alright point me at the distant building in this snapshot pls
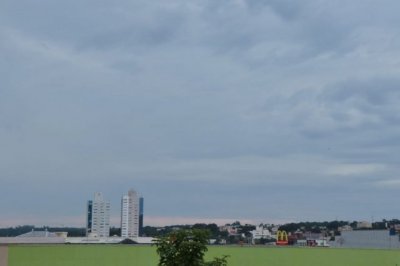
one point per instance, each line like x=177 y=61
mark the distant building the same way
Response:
x=367 y=239
x=275 y=229
x=313 y=236
x=98 y=217
x=231 y=229
x=141 y=212
x=260 y=233
x=345 y=228
x=36 y=237
x=130 y=215
x=44 y=233
x=364 y=225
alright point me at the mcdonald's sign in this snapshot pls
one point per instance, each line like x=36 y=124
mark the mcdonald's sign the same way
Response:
x=282 y=238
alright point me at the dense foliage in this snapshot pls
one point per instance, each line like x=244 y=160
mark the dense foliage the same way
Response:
x=185 y=248
x=243 y=231
x=314 y=227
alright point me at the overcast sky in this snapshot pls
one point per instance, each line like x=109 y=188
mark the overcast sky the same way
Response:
x=214 y=110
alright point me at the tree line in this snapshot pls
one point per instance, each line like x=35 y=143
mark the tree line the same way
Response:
x=243 y=230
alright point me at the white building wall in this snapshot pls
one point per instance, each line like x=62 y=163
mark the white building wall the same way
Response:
x=100 y=216
x=367 y=239
x=130 y=215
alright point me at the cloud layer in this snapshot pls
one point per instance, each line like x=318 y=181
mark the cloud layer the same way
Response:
x=264 y=109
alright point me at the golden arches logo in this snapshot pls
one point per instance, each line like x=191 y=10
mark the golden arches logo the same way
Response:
x=282 y=238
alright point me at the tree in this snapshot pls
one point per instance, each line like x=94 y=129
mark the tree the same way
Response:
x=245 y=229
x=185 y=248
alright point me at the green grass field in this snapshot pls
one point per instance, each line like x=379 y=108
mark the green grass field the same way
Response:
x=91 y=255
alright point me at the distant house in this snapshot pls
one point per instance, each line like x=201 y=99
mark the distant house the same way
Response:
x=231 y=229
x=260 y=233
x=364 y=225
x=345 y=228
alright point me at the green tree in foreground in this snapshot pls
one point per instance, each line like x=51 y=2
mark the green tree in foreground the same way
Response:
x=185 y=248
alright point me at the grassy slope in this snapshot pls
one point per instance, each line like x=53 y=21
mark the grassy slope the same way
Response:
x=145 y=256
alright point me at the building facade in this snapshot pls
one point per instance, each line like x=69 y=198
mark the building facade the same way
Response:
x=98 y=217
x=368 y=239
x=130 y=215
x=260 y=233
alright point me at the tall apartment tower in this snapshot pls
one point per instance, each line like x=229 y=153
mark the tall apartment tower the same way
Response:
x=130 y=215
x=98 y=217
x=141 y=210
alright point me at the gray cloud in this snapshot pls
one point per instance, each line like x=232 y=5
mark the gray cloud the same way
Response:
x=243 y=101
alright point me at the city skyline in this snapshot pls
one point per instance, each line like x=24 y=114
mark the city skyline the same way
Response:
x=262 y=110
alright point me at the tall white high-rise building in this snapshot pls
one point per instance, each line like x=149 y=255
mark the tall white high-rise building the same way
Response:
x=130 y=215
x=98 y=217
